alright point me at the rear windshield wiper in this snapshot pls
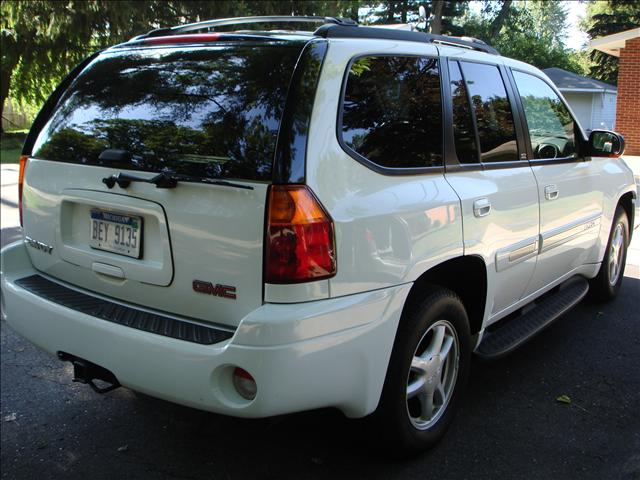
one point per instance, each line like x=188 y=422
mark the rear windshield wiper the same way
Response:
x=166 y=180
x=213 y=181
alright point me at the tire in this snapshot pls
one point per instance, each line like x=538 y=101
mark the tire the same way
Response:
x=606 y=284
x=432 y=382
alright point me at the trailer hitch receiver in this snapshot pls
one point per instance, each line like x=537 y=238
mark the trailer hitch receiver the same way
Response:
x=87 y=372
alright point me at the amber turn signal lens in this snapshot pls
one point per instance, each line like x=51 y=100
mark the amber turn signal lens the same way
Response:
x=23 y=166
x=299 y=237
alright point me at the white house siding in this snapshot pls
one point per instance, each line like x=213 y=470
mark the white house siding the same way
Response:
x=581 y=103
x=604 y=111
x=593 y=109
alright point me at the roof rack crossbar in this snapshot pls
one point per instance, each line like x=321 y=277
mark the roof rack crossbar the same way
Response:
x=223 y=22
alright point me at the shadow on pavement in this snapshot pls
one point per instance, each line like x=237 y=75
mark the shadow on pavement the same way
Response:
x=510 y=424
x=8 y=203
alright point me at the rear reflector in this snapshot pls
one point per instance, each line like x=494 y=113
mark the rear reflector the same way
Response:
x=23 y=166
x=244 y=383
x=299 y=237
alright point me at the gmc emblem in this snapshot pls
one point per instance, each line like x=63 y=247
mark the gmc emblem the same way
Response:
x=217 y=290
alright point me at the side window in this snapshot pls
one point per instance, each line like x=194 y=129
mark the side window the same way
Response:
x=392 y=111
x=492 y=110
x=463 y=131
x=551 y=128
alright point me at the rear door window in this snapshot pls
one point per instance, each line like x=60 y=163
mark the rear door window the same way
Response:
x=204 y=112
x=492 y=110
x=551 y=127
x=463 y=132
x=392 y=111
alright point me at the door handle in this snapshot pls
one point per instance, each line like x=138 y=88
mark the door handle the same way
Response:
x=481 y=207
x=551 y=192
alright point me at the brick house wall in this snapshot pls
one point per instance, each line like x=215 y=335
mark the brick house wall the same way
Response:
x=628 y=104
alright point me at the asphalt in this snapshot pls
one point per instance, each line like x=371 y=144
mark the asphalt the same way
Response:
x=511 y=424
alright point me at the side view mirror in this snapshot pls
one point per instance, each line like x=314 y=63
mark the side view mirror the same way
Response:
x=603 y=143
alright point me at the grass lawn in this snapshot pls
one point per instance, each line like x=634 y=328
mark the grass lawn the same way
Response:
x=11 y=146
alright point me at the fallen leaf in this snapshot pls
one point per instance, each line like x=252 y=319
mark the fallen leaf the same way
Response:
x=11 y=417
x=564 y=399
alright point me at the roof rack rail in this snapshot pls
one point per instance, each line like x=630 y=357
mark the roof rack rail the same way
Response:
x=223 y=22
x=340 y=31
x=333 y=28
x=466 y=42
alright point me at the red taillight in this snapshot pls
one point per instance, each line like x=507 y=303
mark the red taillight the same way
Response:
x=299 y=238
x=23 y=167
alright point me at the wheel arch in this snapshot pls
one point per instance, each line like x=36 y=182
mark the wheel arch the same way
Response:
x=466 y=276
x=627 y=203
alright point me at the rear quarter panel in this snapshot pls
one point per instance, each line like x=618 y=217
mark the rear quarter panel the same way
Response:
x=389 y=229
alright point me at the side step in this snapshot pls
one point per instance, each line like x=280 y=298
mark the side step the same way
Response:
x=517 y=331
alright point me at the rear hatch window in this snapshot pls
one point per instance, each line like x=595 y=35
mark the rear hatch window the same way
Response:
x=201 y=112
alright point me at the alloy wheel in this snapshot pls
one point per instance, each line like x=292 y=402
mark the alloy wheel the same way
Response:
x=432 y=374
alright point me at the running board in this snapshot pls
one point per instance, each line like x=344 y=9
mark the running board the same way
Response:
x=517 y=331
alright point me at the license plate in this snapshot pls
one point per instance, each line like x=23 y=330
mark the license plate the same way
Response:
x=116 y=232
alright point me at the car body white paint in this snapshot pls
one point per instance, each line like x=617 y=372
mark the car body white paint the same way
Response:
x=318 y=344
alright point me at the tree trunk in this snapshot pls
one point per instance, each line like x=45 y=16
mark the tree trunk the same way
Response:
x=497 y=23
x=332 y=9
x=12 y=52
x=391 y=11
x=5 y=81
x=403 y=12
x=436 y=22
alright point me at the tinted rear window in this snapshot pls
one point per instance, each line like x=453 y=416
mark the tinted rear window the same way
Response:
x=392 y=113
x=494 y=119
x=205 y=112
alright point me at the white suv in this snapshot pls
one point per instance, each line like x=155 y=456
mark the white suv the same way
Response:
x=261 y=222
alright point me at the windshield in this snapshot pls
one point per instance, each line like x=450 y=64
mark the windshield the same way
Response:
x=205 y=112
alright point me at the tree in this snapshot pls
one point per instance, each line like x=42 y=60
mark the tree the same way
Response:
x=605 y=18
x=534 y=32
x=500 y=18
x=441 y=14
x=436 y=23
x=42 y=40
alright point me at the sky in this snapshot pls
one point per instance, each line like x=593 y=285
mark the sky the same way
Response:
x=575 y=38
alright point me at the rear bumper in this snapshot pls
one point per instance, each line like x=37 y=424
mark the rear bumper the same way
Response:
x=326 y=353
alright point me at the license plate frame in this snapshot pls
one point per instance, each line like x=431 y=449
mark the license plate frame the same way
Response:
x=109 y=242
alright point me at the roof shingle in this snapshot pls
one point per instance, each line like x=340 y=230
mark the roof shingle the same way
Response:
x=570 y=81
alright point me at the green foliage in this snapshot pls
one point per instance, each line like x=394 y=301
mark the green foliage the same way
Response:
x=605 y=18
x=42 y=40
x=11 y=146
x=534 y=33
x=403 y=11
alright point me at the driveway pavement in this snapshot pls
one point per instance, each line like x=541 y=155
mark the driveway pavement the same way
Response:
x=510 y=425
